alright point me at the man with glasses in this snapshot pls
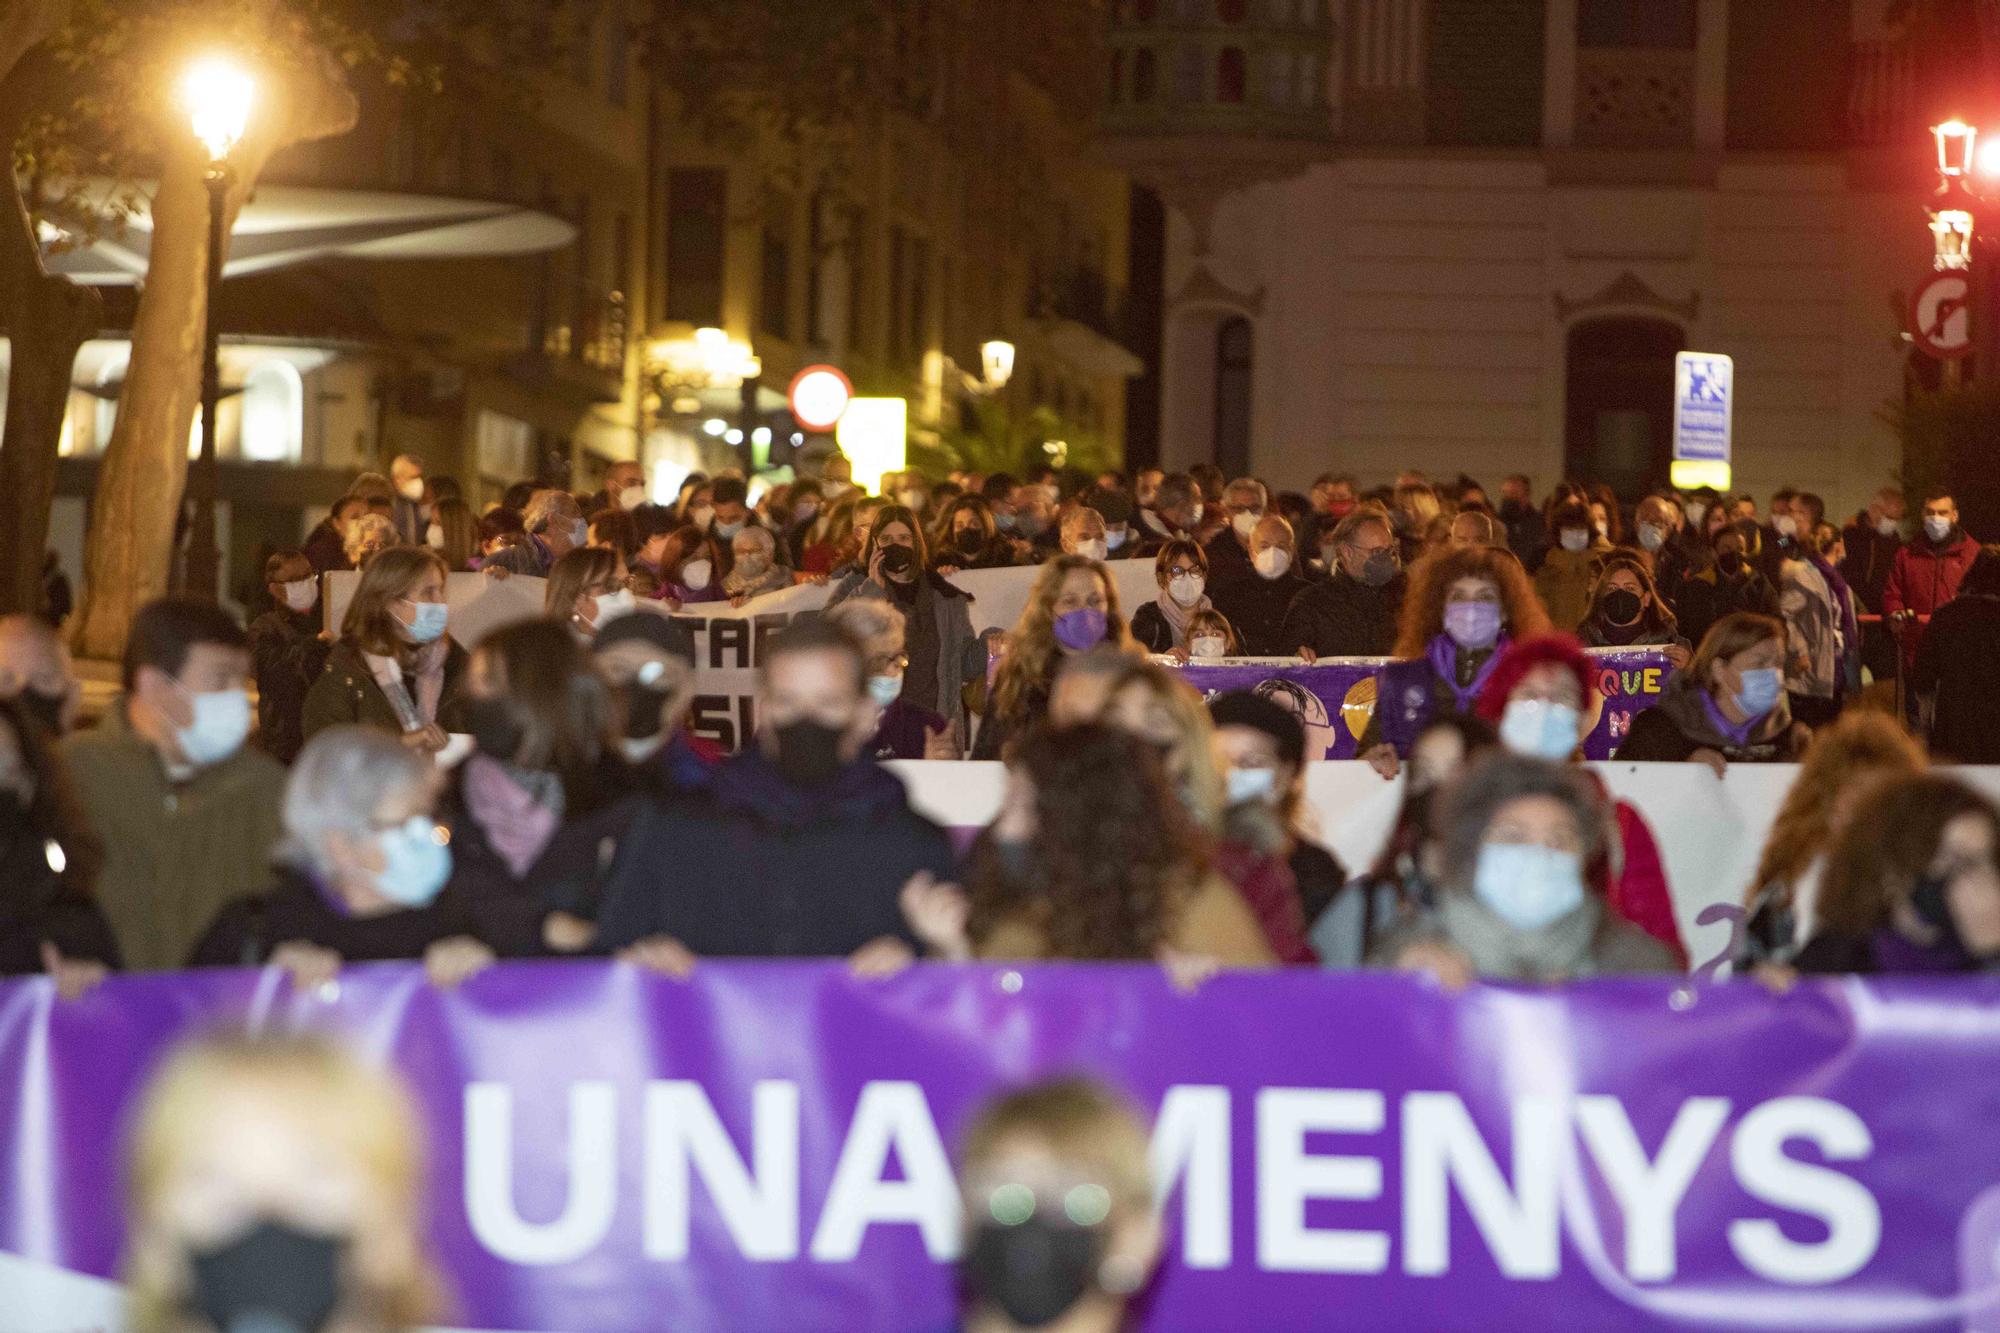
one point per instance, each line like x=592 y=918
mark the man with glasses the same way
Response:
x=1353 y=614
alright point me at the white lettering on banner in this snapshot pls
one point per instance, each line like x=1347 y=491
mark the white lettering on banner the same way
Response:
x=592 y=1156
x=729 y=646
x=684 y=1137
x=1288 y=1176
x=1852 y=1218
x=1518 y=1214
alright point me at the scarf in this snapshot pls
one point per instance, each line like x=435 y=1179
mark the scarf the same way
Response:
x=1737 y=736
x=412 y=713
x=1178 y=616
x=1443 y=655
x=1843 y=606
x=515 y=808
x=1497 y=951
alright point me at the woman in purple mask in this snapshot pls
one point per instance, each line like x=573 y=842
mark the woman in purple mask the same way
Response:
x=1463 y=607
x=1072 y=610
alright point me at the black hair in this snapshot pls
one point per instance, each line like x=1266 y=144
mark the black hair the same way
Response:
x=728 y=490
x=163 y=633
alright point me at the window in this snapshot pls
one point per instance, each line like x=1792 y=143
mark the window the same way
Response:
x=697 y=201
x=774 y=293
x=1653 y=24
x=274 y=413
x=505 y=446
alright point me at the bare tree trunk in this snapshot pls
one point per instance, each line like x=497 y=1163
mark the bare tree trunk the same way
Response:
x=145 y=467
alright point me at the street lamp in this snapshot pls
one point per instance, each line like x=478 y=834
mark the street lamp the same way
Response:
x=216 y=94
x=996 y=359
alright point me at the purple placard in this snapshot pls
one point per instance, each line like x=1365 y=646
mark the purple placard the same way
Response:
x=1336 y=698
x=1357 y=1151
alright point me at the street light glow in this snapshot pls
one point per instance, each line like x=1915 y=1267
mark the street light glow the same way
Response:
x=1955 y=143
x=1988 y=158
x=216 y=94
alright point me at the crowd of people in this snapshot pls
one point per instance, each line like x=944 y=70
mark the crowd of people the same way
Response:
x=287 y=794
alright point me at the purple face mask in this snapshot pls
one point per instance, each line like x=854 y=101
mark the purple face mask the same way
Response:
x=1082 y=630
x=1472 y=625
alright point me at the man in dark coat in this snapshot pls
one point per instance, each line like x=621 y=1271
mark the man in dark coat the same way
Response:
x=1955 y=667
x=1353 y=614
x=803 y=845
x=1255 y=599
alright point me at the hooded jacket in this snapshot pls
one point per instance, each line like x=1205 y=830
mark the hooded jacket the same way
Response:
x=1673 y=729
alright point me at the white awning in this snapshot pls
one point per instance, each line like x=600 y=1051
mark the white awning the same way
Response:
x=283 y=225
x=1087 y=351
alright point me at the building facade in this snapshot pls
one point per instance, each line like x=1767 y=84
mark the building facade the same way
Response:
x=1470 y=235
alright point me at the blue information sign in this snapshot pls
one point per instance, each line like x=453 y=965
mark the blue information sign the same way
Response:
x=1704 y=388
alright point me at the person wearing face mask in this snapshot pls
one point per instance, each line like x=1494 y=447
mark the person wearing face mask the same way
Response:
x=1527 y=535
x=1657 y=531
x=36 y=672
x=729 y=501
x=624 y=489
x=1463 y=609
x=1728 y=707
x=276 y=1183
x=1333 y=499
x=49 y=918
x=966 y=537
x=1569 y=568
x=394 y=666
x=807 y=841
x=1072 y=609
x=1256 y=601
x=1823 y=639
x=1244 y=502
x=326 y=544
x=1871 y=540
x=1119 y=515
x=1728 y=581
x=754 y=568
x=1626 y=612
x=1181 y=570
x=555 y=525
x=1035 y=533
x=1093 y=857
x=289 y=649
x=1516 y=838
x=1082 y=533
x=1912 y=886
x=411 y=512
x=1353 y=613
x=690 y=569
x=905 y=731
x=937 y=614
x=362 y=874
x=1926 y=573
x=648 y=663
x=1541 y=699
x=1954 y=670
x=1210 y=637
x=531 y=810
x=1060 y=1229
x=185 y=813
x=587 y=590
x=1262 y=749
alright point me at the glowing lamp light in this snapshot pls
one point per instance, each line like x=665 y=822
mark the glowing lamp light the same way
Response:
x=996 y=359
x=216 y=94
x=1951 y=230
x=714 y=426
x=1956 y=141
x=819 y=397
x=874 y=435
x=1691 y=474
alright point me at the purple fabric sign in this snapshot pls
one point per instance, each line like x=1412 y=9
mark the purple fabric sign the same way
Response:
x=1335 y=698
x=765 y=1146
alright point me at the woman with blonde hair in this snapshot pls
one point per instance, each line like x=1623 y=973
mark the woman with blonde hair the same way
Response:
x=276 y=1182
x=1842 y=766
x=1072 y=609
x=1462 y=610
x=395 y=667
x=367 y=536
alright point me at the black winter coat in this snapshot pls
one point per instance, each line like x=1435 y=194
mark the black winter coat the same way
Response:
x=1256 y=607
x=288 y=656
x=1956 y=660
x=765 y=869
x=249 y=930
x=1344 y=617
x=37 y=905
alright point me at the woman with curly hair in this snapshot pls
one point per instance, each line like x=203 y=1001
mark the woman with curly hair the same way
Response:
x=1092 y=857
x=1072 y=609
x=1626 y=611
x=1464 y=607
x=1841 y=767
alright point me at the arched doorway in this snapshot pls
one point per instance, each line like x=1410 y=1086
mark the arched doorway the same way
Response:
x=1233 y=346
x=1620 y=403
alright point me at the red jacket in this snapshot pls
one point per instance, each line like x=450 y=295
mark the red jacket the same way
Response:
x=1923 y=579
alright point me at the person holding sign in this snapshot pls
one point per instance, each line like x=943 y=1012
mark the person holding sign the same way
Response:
x=394 y=667
x=1256 y=597
x=1626 y=612
x=1072 y=609
x=935 y=611
x=1728 y=707
x=1181 y=570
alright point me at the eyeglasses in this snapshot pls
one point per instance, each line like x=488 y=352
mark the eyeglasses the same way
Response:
x=878 y=666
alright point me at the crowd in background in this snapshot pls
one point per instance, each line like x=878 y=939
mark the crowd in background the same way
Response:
x=279 y=793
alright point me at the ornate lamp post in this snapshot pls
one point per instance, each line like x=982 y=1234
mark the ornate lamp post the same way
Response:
x=216 y=95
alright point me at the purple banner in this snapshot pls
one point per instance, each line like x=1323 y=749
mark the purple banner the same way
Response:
x=765 y=1146
x=1335 y=698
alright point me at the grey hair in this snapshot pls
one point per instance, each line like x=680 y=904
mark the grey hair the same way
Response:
x=546 y=505
x=364 y=524
x=335 y=785
x=1252 y=485
x=866 y=618
x=764 y=534
x=1348 y=528
x=1471 y=802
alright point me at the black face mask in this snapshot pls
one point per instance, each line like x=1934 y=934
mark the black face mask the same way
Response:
x=645 y=711
x=1730 y=563
x=970 y=541
x=898 y=561
x=1621 y=606
x=271 y=1279
x=1036 y=1271
x=46 y=709
x=809 y=752
x=494 y=729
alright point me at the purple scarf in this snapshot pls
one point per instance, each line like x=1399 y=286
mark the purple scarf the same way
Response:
x=1443 y=655
x=1737 y=736
x=517 y=825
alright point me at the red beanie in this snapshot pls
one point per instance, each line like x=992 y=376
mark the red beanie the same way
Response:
x=1520 y=658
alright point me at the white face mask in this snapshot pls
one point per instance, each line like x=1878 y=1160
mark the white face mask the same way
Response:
x=1786 y=525
x=1937 y=527
x=1696 y=512
x=631 y=497
x=1651 y=536
x=1528 y=887
x=1575 y=539
x=1095 y=549
x=1272 y=562
x=302 y=596
x=753 y=566
x=702 y=515
x=1888 y=527
x=412 y=490
x=219 y=727
x=1251 y=784
x=911 y=500
x=1245 y=523
x=434 y=537
x=1186 y=589
x=695 y=575
x=1207 y=646
x=1540 y=729
x=1115 y=537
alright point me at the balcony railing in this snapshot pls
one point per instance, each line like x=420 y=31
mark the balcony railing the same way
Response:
x=1629 y=97
x=1233 y=67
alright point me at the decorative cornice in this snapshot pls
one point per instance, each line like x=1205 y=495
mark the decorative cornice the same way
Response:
x=1625 y=291
x=1205 y=289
